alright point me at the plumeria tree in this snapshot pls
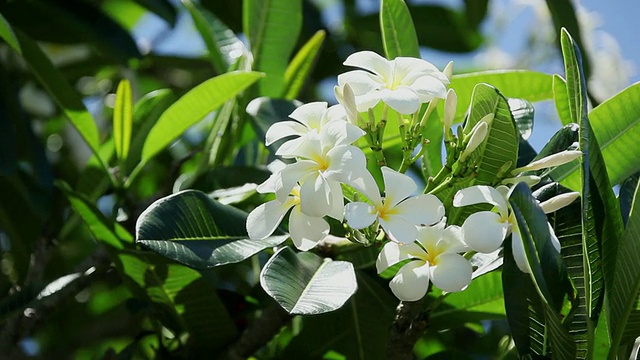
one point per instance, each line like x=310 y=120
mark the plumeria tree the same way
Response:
x=406 y=216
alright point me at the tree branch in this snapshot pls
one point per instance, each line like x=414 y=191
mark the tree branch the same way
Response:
x=259 y=332
x=408 y=326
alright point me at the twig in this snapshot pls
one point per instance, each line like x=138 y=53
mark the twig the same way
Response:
x=408 y=326
x=258 y=333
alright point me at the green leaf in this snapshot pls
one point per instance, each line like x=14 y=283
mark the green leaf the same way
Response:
x=60 y=90
x=358 y=330
x=123 y=120
x=272 y=28
x=222 y=43
x=522 y=112
x=523 y=84
x=398 y=34
x=601 y=220
x=192 y=107
x=547 y=269
x=301 y=65
x=198 y=231
x=624 y=314
x=103 y=229
x=306 y=284
x=265 y=112
x=627 y=190
x=6 y=33
x=184 y=300
x=561 y=99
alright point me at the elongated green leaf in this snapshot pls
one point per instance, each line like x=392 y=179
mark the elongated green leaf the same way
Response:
x=565 y=18
x=561 y=99
x=301 y=65
x=123 y=120
x=523 y=84
x=185 y=301
x=6 y=33
x=222 y=43
x=272 y=27
x=398 y=34
x=624 y=315
x=306 y=284
x=547 y=269
x=104 y=230
x=627 y=190
x=601 y=220
x=60 y=90
x=358 y=330
x=192 y=107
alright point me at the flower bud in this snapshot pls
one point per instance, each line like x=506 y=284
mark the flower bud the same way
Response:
x=556 y=159
x=450 y=108
x=530 y=180
x=559 y=201
x=479 y=133
x=448 y=70
x=347 y=99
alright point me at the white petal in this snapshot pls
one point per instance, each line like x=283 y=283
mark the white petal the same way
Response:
x=310 y=114
x=347 y=99
x=264 y=219
x=402 y=99
x=363 y=181
x=371 y=61
x=399 y=229
x=393 y=253
x=425 y=209
x=451 y=273
x=411 y=282
x=559 y=201
x=429 y=88
x=359 y=215
x=481 y=194
x=519 y=254
x=452 y=236
x=308 y=147
x=270 y=185
x=315 y=196
x=344 y=161
x=368 y=100
x=283 y=129
x=290 y=175
x=397 y=186
x=361 y=82
x=291 y=148
x=484 y=232
x=338 y=133
x=410 y=69
x=337 y=201
x=430 y=236
x=333 y=113
x=305 y=230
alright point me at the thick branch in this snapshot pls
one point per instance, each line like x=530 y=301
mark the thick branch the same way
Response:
x=408 y=326
x=259 y=332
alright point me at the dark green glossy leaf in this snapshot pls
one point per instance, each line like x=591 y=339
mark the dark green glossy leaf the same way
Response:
x=272 y=28
x=627 y=190
x=306 y=284
x=624 y=314
x=547 y=269
x=123 y=120
x=265 y=112
x=192 y=107
x=398 y=33
x=102 y=228
x=298 y=71
x=197 y=231
x=358 y=330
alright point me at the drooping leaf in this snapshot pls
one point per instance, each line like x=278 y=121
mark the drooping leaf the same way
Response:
x=192 y=107
x=301 y=65
x=306 y=284
x=191 y=228
x=185 y=301
x=358 y=330
x=272 y=28
x=123 y=120
x=60 y=90
x=6 y=33
x=624 y=314
x=522 y=84
x=102 y=228
x=398 y=33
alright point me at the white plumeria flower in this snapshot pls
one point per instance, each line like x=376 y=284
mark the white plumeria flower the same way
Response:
x=484 y=231
x=324 y=161
x=397 y=213
x=403 y=83
x=306 y=231
x=309 y=117
x=434 y=258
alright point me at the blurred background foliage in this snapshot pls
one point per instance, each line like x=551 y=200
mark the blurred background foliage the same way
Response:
x=64 y=290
